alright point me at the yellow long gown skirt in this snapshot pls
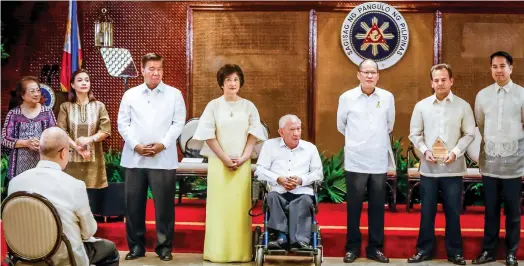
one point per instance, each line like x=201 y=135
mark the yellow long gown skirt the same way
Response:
x=228 y=224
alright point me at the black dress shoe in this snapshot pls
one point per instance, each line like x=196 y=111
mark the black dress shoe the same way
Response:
x=350 y=257
x=166 y=257
x=134 y=255
x=511 y=260
x=457 y=259
x=419 y=257
x=484 y=257
x=280 y=243
x=377 y=256
x=301 y=245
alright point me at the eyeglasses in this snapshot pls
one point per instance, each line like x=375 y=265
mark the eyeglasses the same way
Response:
x=35 y=91
x=372 y=73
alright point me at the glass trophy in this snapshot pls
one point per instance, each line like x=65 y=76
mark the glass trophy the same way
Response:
x=440 y=150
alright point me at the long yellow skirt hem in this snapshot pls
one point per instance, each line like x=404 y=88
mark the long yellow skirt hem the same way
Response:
x=228 y=224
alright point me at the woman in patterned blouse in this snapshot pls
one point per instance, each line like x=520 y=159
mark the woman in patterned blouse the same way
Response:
x=86 y=121
x=23 y=126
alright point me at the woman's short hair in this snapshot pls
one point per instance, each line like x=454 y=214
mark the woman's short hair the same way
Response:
x=21 y=88
x=227 y=70
x=72 y=93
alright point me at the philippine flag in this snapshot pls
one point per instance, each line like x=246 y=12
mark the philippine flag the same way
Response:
x=72 y=55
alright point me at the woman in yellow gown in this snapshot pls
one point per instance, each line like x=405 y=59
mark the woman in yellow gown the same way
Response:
x=230 y=127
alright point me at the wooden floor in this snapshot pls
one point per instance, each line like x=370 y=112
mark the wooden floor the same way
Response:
x=196 y=259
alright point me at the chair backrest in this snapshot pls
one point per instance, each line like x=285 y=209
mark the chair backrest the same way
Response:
x=189 y=146
x=32 y=227
x=258 y=147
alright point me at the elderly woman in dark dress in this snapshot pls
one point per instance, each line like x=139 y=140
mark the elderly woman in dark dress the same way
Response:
x=23 y=126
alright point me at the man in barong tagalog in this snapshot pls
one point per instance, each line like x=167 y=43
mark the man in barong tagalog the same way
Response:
x=442 y=127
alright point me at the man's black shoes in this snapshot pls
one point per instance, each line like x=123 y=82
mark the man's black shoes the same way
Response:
x=419 y=257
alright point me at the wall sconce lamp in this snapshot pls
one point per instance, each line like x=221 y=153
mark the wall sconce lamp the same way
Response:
x=104 y=30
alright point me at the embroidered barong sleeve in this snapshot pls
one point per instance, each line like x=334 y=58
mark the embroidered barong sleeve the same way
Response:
x=391 y=114
x=86 y=220
x=342 y=114
x=522 y=115
x=177 y=122
x=479 y=114
x=468 y=131
x=124 y=122
x=416 y=130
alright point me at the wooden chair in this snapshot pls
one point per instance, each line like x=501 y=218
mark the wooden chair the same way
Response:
x=469 y=180
x=413 y=177
x=190 y=149
x=392 y=182
x=33 y=229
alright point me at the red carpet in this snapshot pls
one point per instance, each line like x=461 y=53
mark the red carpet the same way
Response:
x=401 y=230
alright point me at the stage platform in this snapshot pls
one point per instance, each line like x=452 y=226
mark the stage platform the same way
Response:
x=401 y=230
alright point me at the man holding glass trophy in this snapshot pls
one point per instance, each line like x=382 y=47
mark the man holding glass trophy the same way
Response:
x=442 y=127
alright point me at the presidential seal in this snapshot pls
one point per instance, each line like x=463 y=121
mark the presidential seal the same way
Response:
x=375 y=31
x=48 y=95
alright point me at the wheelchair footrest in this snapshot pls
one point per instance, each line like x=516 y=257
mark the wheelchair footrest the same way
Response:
x=302 y=252
x=277 y=252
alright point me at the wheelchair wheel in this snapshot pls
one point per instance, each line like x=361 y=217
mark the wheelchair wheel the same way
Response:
x=256 y=240
x=259 y=258
x=318 y=258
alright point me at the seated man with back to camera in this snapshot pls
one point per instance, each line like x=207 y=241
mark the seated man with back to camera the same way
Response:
x=291 y=166
x=69 y=196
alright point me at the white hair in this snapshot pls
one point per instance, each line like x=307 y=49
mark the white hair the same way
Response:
x=289 y=117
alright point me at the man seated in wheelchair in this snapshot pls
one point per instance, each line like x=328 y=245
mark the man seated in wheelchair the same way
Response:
x=291 y=166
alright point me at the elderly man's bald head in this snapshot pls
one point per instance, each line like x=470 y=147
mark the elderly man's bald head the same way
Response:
x=52 y=141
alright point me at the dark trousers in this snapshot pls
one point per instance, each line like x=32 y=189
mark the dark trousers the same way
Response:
x=511 y=190
x=451 y=188
x=357 y=184
x=163 y=185
x=299 y=223
x=96 y=198
x=102 y=253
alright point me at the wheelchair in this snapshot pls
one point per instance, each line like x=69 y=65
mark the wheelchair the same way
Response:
x=261 y=237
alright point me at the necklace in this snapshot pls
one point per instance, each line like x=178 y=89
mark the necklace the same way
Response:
x=231 y=105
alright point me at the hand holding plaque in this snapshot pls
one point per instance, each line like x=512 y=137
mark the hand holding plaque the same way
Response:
x=440 y=150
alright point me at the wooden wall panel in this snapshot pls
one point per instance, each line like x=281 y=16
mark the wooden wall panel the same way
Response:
x=273 y=55
x=408 y=80
x=469 y=40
